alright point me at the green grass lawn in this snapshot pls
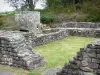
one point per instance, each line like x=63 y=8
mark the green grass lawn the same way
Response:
x=59 y=52
x=55 y=54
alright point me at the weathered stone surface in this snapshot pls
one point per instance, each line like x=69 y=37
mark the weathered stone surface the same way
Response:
x=28 y=20
x=16 y=51
x=78 y=25
x=86 y=69
x=49 y=36
x=90 y=61
x=84 y=63
x=89 y=73
x=84 y=29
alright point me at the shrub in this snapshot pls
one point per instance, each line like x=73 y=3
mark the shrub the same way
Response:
x=1 y=21
x=48 y=18
x=92 y=9
x=94 y=16
x=31 y=73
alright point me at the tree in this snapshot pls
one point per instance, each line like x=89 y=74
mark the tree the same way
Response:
x=63 y=3
x=22 y=3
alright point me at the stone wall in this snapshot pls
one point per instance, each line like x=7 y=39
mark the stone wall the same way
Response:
x=16 y=51
x=49 y=36
x=16 y=47
x=28 y=20
x=84 y=29
x=84 y=32
x=87 y=61
x=78 y=25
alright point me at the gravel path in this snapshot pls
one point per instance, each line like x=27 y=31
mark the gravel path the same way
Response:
x=5 y=72
x=52 y=71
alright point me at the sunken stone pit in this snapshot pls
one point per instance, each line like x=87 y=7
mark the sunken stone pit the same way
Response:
x=16 y=51
x=87 y=61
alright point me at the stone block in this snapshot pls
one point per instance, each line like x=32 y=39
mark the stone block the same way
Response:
x=28 y=20
x=89 y=73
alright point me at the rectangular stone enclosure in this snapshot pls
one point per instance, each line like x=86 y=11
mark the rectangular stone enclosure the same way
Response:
x=28 y=20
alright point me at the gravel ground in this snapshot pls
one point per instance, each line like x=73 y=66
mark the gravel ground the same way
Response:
x=52 y=71
x=5 y=72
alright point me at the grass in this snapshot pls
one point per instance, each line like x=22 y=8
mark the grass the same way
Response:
x=59 y=52
x=55 y=54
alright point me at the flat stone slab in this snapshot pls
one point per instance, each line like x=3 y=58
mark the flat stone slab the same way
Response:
x=5 y=72
x=52 y=71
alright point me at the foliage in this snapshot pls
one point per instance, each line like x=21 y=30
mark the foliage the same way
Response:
x=22 y=4
x=31 y=73
x=94 y=16
x=47 y=18
x=64 y=3
x=8 y=13
x=1 y=21
x=92 y=8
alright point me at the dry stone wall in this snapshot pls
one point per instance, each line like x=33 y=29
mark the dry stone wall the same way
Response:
x=87 y=61
x=16 y=51
x=16 y=47
x=84 y=29
x=84 y=32
x=49 y=36
x=79 y=25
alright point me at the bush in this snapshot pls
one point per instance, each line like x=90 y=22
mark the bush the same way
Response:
x=94 y=16
x=92 y=9
x=31 y=73
x=48 y=18
x=1 y=21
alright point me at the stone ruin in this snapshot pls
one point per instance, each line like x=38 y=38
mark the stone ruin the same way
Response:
x=84 y=29
x=16 y=51
x=16 y=46
x=28 y=21
x=87 y=61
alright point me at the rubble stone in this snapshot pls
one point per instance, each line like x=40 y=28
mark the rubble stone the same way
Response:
x=88 y=66
x=14 y=51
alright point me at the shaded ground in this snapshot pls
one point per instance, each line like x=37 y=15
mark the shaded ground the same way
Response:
x=52 y=71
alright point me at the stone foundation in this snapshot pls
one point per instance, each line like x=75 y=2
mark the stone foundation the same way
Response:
x=87 y=61
x=83 y=32
x=16 y=51
x=16 y=47
x=78 y=25
x=49 y=36
x=84 y=29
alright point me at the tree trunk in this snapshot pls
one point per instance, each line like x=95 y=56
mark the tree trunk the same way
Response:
x=30 y=4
